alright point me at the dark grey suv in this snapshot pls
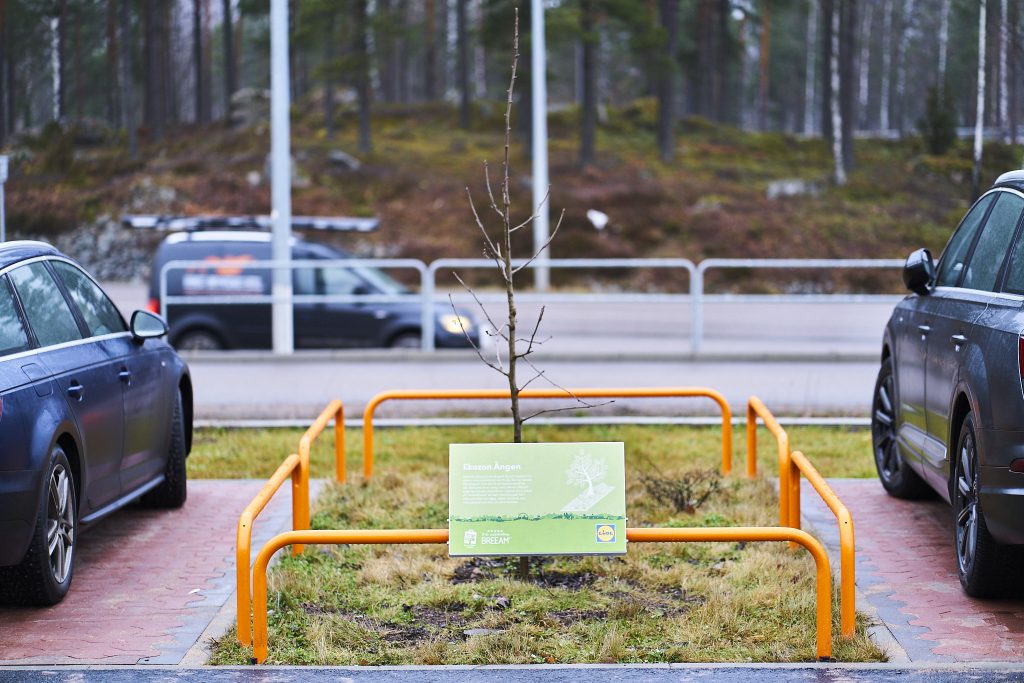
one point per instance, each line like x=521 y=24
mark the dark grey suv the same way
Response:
x=948 y=409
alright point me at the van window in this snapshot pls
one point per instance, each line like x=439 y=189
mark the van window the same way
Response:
x=338 y=281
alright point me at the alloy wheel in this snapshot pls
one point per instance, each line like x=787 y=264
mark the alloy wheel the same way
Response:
x=966 y=495
x=60 y=524
x=884 y=431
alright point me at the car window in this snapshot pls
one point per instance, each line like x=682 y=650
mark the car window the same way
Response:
x=13 y=337
x=953 y=256
x=99 y=312
x=47 y=311
x=338 y=280
x=304 y=280
x=993 y=243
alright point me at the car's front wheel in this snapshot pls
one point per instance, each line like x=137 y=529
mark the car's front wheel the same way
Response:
x=984 y=566
x=894 y=472
x=44 y=575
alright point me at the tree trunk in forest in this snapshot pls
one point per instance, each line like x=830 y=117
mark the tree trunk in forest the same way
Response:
x=1003 y=79
x=227 y=38
x=10 y=81
x=127 y=84
x=668 y=14
x=112 y=87
x=764 y=56
x=901 y=65
x=864 y=66
x=167 y=62
x=1014 y=19
x=943 y=43
x=362 y=54
x=847 y=71
x=826 y=69
x=387 y=47
x=197 y=59
x=79 y=82
x=705 y=27
x=4 y=85
x=719 y=92
x=59 y=80
x=430 y=51
x=836 y=88
x=810 y=50
x=979 y=115
x=462 y=31
x=329 y=66
x=588 y=118
x=883 y=98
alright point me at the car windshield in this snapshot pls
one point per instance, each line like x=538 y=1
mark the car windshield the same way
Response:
x=384 y=282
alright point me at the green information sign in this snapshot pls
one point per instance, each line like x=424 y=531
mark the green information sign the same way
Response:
x=537 y=499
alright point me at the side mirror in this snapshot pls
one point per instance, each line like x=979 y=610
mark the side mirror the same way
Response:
x=919 y=272
x=146 y=325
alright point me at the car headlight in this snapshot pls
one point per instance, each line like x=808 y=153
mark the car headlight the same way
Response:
x=455 y=324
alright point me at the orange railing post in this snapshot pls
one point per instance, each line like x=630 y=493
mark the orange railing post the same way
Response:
x=333 y=411
x=847 y=548
x=478 y=394
x=755 y=409
x=243 y=538
x=823 y=582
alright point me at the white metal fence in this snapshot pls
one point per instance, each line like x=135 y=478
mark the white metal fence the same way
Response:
x=428 y=298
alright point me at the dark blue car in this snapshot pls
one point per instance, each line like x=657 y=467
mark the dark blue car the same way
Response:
x=94 y=414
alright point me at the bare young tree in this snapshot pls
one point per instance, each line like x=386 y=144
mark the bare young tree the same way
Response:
x=499 y=249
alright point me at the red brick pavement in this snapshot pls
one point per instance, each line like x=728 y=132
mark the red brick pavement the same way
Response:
x=146 y=582
x=906 y=568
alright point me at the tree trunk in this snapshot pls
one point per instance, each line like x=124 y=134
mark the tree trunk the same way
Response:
x=810 y=49
x=10 y=80
x=127 y=84
x=864 y=66
x=430 y=51
x=387 y=47
x=835 y=97
x=197 y=59
x=847 y=70
x=705 y=58
x=883 y=98
x=1003 y=79
x=362 y=55
x=719 y=90
x=764 y=55
x=1014 y=56
x=901 y=65
x=167 y=62
x=668 y=14
x=59 y=66
x=4 y=85
x=588 y=118
x=943 y=43
x=329 y=58
x=462 y=31
x=111 y=86
x=979 y=116
x=227 y=38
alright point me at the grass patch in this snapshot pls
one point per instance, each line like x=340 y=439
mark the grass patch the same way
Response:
x=361 y=605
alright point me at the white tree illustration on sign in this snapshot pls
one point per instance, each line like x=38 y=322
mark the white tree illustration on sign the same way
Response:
x=586 y=470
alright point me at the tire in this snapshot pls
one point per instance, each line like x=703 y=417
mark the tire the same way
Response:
x=406 y=340
x=44 y=575
x=985 y=567
x=173 y=490
x=199 y=339
x=895 y=473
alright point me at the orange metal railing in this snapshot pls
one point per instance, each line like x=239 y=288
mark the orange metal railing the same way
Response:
x=333 y=411
x=652 y=392
x=756 y=409
x=243 y=537
x=823 y=584
x=847 y=579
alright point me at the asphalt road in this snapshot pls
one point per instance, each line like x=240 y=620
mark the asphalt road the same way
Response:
x=550 y=674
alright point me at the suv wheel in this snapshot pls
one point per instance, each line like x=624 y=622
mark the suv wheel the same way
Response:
x=895 y=473
x=44 y=575
x=406 y=340
x=984 y=565
x=198 y=340
x=172 y=491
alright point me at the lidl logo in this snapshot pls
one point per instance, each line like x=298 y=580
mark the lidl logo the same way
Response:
x=605 y=533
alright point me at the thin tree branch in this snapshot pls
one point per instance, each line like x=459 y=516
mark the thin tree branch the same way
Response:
x=497 y=328
x=490 y=245
x=534 y=216
x=541 y=250
x=472 y=343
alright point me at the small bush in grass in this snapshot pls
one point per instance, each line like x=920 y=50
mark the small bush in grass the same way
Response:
x=684 y=492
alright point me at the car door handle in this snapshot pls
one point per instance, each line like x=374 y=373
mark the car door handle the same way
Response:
x=958 y=339
x=924 y=329
x=76 y=390
x=125 y=375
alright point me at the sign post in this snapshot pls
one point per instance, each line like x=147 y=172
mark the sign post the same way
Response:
x=3 y=180
x=537 y=499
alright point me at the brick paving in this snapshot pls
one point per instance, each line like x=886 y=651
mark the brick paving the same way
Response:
x=147 y=582
x=906 y=570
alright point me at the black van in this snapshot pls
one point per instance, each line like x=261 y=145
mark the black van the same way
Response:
x=318 y=325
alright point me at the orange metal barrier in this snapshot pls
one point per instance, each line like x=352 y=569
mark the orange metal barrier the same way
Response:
x=847 y=580
x=243 y=539
x=755 y=409
x=823 y=585
x=653 y=392
x=335 y=411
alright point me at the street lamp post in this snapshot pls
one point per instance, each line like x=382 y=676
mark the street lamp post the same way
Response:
x=280 y=177
x=541 y=227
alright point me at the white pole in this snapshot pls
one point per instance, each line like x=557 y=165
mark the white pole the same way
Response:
x=538 y=64
x=280 y=176
x=3 y=180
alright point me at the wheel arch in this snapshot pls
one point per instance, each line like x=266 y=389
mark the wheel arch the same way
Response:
x=185 y=391
x=962 y=407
